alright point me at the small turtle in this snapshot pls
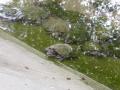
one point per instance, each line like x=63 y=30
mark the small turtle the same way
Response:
x=60 y=51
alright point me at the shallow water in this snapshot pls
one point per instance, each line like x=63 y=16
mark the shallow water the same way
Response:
x=35 y=35
x=5 y=1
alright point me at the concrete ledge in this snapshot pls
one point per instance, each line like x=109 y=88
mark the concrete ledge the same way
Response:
x=87 y=84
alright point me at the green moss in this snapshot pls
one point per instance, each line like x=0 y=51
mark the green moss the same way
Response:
x=56 y=10
x=35 y=12
x=34 y=36
x=103 y=70
x=89 y=46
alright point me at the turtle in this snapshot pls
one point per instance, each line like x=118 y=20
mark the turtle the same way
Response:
x=60 y=51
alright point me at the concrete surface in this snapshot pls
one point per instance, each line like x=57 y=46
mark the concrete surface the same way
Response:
x=22 y=69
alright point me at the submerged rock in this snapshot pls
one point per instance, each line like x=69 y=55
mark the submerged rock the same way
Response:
x=95 y=53
x=57 y=27
x=36 y=14
x=72 y=5
x=60 y=51
x=12 y=14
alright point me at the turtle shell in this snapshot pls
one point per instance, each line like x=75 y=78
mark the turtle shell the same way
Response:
x=62 y=49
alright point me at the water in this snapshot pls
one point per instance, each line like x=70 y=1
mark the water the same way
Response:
x=59 y=28
x=39 y=27
x=5 y=1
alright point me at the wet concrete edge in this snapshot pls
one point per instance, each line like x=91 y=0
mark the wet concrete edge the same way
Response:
x=96 y=85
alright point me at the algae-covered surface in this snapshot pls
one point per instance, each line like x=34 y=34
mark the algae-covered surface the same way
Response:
x=25 y=70
x=105 y=70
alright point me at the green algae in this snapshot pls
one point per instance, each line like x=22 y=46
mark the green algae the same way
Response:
x=104 y=70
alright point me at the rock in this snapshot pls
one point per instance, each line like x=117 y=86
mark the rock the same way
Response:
x=60 y=51
x=72 y=5
x=91 y=46
x=56 y=26
x=10 y=13
x=95 y=53
x=68 y=78
x=36 y=14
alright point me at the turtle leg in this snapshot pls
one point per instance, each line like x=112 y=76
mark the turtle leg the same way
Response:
x=60 y=58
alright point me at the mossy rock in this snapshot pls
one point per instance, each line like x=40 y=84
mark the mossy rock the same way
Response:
x=78 y=34
x=56 y=26
x=10 y=13
x=88 y=46
x=36 y=13
x=73 y=5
